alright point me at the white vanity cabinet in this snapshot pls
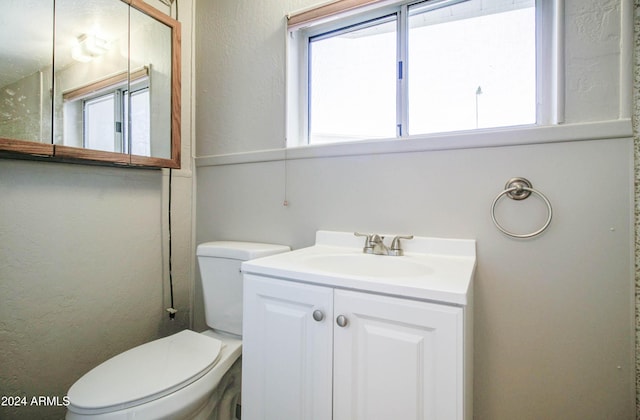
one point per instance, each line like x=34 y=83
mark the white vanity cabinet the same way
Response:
x=392 y=358
x=396 y=358
x=286 y=354
x=334 y=333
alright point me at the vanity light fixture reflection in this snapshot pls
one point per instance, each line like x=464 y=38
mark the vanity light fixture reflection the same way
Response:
x=89 y=47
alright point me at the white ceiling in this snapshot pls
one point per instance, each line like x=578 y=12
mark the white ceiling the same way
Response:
x=26 y=31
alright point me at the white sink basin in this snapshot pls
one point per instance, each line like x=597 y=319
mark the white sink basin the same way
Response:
x=367 y=265
x=431 y=269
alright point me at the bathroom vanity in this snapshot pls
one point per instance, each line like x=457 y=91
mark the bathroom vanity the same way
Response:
x=331 y=332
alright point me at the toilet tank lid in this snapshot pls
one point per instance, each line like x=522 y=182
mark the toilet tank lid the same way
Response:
x=243 y=251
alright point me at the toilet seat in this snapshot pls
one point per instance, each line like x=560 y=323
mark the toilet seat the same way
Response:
x=145 y=373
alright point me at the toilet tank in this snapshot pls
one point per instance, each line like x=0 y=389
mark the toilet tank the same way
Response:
x=219 y=264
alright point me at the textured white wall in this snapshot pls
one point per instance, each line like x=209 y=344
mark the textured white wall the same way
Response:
x=240 y=74
x=83 y=263
x=592 y=58
x=553 y=315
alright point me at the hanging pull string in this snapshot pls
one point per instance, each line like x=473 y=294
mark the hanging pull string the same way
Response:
x=172 y=311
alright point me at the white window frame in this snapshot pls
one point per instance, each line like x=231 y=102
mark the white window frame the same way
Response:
x=549 y=63
x=119 y=85
x=121 y=98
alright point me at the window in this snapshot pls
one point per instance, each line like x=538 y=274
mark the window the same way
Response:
x=352 y=86
x=99 y=121
x=414 y=69
x=105 y=122
x=141 y=114
x=97 y=115
x=106 y=126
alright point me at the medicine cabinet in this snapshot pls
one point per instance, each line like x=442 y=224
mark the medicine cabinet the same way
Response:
x=92 y=81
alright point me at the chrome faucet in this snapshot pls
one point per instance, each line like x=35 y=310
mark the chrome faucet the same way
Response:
x=374 y=244
x=379 y=248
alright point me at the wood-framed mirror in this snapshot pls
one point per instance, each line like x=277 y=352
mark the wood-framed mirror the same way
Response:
x=107 y=90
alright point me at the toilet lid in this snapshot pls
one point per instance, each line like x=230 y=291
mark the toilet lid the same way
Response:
x=146 y=372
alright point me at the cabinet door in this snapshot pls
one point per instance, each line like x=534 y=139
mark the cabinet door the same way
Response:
x=397 y=359
x=287 y=354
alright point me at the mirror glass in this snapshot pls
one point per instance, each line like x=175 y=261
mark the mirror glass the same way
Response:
x=26 y=49
x=91 y=71
x=150 y=78
x=106 y=90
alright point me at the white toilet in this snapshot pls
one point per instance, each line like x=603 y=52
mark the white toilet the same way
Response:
x=187 y=375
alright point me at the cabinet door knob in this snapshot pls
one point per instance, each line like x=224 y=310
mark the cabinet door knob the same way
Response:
x=318 y=315
x=341 y=320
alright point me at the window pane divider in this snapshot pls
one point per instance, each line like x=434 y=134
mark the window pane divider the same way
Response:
x=402 y=88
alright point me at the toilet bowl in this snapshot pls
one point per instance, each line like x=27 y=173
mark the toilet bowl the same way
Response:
x=187 y=375
x=172 y=377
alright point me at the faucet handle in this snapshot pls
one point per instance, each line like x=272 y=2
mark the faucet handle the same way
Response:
x=367 y=235
x=368 y=246
x=396 y=247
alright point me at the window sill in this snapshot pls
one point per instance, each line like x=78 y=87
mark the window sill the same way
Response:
x=500 y=137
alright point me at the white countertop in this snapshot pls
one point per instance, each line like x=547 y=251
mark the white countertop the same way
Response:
x=432 y=269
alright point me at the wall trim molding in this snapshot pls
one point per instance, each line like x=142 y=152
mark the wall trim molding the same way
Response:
x=501 y=137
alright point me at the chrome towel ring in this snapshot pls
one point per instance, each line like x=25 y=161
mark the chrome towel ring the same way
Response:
x=519 y=189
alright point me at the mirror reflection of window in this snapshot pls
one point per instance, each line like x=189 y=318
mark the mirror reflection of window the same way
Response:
x=91 y=46
x=140 y=131
x=53 y=77
x=106 y=125
x=97 y=115
x=99 y=120
x=148 y=40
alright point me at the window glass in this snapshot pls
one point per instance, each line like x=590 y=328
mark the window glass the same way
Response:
x=99 y=121
x=416 y=68
x=105 y=120
x=471 y=67
x=352 y=83
x=141 y=130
